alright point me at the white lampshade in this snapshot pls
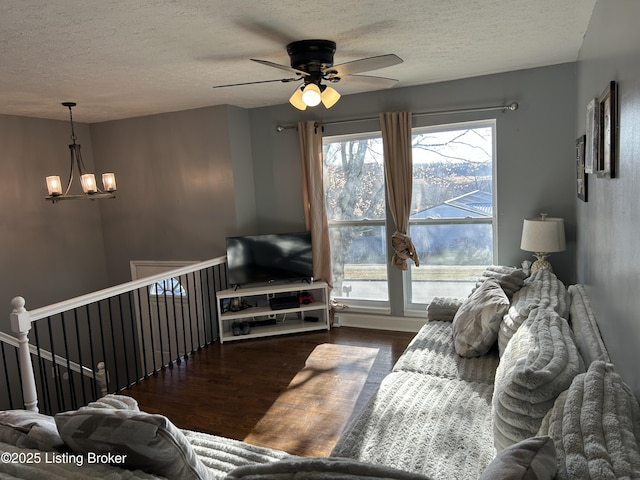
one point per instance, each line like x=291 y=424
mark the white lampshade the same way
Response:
x=329 y=97
x=311 y=95
x=543 y=235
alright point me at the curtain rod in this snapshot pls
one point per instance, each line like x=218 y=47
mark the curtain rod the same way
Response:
x=510 y=107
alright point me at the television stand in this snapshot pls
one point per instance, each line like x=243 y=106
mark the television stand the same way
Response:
x=291 y=319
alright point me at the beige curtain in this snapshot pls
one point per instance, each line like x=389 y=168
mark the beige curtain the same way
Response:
x=315 y=216
x=398 y=171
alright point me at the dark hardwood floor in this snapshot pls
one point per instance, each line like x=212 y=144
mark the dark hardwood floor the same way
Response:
x=260 y=391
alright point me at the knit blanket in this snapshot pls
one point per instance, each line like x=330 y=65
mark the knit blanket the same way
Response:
x=419 y=423
x=595 y=425
x=432 y=352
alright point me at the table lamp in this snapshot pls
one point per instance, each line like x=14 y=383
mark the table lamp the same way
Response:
x=543 y=235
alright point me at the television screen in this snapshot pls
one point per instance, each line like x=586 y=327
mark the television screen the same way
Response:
x=269 y=258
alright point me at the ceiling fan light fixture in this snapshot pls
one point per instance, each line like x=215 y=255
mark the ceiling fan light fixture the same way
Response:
x=296 y=99
x=329 y=96
x=311 y=95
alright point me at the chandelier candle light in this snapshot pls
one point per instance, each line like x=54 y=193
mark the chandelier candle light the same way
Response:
x=542 y=236
x=87 y=180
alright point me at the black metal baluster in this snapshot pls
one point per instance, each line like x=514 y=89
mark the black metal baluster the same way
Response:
x=6 y=375
x=113 y=345
x=153 y=345
x=124 y=341
x=175 y=323
x=44 y=379
x=190 y=296
x=72 y=387
x=141 y=340
x=102 y=344
x=182 y=298
x=162 y=363
x=166 y=316
x=19 y=376
x=58 y=384
x=132 y=317
x=212 y=327
x=82 y=385
x=94 y=390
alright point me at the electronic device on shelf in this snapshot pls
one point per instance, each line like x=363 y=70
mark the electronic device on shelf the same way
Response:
x=281 y=303
x=269 y=258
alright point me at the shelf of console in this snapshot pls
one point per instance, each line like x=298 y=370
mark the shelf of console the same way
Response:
x=262 y=311
x=280 y=328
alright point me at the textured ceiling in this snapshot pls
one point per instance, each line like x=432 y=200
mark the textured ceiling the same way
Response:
x=126 y=58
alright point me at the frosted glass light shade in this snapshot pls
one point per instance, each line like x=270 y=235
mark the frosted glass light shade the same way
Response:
x=329 y=97
x=296 y=100
x=88 y=181
x=543 y=235
x=109 y=182
x=54 y=187
x=311 y=95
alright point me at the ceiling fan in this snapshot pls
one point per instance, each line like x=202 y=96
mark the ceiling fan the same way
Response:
x=312 y=62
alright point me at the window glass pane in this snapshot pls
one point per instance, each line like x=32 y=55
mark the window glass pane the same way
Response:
x=452 y=173
x=359 y=266
x=170 y=286
x=354 y=179
x=452 y=257
x=452 y=182
x=355 y=203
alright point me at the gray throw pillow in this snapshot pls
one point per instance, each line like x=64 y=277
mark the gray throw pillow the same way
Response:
x=530 y=459
x=477 y=321
x=146 y=441
x=26 y=429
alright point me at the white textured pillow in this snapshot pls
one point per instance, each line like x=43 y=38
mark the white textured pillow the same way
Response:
x=541 y=290
x=539 y=363
x=476 y=323
x=595 y=425
x=530 y=459
x=150 y=442
x=26 y=429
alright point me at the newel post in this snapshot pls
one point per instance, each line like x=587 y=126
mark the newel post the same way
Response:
x=21 y=325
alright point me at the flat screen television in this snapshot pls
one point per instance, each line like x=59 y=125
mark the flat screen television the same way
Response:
x=255 y=259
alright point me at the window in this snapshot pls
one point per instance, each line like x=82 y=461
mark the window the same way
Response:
x=452 y=214
x=171 y=286
x=452 y=220
x=355 y=201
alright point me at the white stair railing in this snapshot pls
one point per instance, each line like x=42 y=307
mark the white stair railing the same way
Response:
x=22 y=321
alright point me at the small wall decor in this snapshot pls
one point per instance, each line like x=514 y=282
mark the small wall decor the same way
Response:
x=581 y=176
x=608 y=131
x=592 y=142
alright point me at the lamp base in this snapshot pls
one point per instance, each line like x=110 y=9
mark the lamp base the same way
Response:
x=541 y=262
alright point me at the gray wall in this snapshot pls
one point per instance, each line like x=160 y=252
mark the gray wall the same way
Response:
x=176 y=195
x=609 y=223
x=49 y=252
x=535 y=148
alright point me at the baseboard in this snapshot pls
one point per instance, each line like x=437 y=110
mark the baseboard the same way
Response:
x=378 y=322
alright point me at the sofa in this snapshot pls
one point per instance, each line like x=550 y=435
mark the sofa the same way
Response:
x=512 y=382
x=515 y=383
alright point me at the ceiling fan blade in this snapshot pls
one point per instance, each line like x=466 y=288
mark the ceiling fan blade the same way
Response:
x=283 y=80
x=378 y=82
x=281 y=67
x=364 y=65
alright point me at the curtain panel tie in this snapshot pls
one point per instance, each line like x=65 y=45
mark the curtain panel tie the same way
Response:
x=403 y=249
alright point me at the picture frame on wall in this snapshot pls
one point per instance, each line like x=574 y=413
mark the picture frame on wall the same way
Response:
x=592 y=143
x=581 y=175
x=608 y=131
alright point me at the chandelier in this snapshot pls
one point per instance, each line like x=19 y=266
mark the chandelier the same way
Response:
x=87 y=180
